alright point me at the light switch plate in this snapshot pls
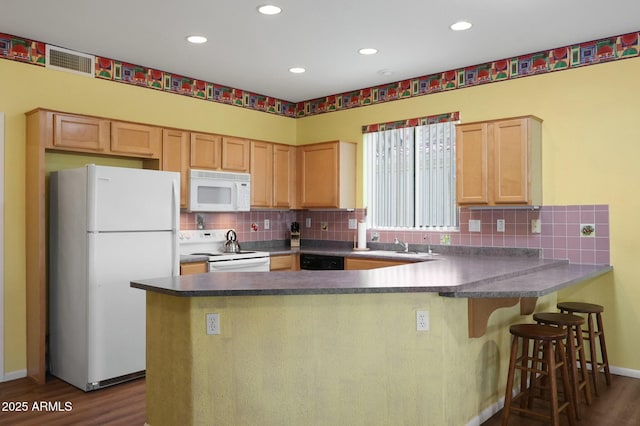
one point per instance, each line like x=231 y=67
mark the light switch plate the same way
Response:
x=500 y=225
x=474 y=225
x=535 y=226
x=353 y=224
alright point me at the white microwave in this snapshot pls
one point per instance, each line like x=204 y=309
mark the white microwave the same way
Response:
x=212 y=191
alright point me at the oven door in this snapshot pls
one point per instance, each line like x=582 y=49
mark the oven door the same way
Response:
x=256 y=264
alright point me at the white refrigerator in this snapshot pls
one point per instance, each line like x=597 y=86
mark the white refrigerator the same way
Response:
x=108 y=226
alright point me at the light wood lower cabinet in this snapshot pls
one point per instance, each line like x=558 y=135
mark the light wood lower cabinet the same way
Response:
x=359 y=263
x=285 y=262
x=193 y=268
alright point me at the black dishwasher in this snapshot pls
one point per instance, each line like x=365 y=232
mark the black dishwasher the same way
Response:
x=320 y=262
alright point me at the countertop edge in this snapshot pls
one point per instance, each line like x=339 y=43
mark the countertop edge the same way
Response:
x=575 y=274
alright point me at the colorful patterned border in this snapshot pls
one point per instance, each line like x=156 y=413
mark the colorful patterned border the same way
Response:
x=412 y=122
x=588 y=53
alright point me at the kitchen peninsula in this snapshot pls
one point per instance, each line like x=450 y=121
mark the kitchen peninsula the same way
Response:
x=341 y=347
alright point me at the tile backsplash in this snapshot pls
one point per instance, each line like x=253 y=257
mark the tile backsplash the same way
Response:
x=579 y=233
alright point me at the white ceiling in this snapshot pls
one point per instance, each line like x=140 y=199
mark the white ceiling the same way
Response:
x=253 y=52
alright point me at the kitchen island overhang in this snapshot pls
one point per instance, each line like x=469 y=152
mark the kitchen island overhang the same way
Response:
x=340 y=347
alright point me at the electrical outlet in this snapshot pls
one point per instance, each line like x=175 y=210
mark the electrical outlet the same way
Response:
x=213 y=323
x=500 y=225
x=535 y=226
x=267 y=224
x=474 y=225
x=422 y=320
x=307 y=222
x=353 y=224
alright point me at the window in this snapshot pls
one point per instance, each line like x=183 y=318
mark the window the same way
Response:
x=410 y=177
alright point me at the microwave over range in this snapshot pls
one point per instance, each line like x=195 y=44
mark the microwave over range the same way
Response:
x=213 y=191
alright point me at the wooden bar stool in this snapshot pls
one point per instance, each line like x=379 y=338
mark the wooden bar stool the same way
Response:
x=590 y=334
x=548 y=355
x=575 y=352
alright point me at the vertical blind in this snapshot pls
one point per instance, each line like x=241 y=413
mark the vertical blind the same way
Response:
x=410 y=177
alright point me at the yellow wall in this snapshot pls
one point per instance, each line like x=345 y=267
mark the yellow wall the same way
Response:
x=591 y=144
x=352 y=359
x=26 y=87
x=591 y=147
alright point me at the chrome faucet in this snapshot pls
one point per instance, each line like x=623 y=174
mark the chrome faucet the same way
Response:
x=404 y=245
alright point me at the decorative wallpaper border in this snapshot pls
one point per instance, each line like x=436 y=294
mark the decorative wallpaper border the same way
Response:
x=589 y=53
x=412 y=122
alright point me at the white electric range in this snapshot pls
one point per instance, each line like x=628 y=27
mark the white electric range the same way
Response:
x=210 y=243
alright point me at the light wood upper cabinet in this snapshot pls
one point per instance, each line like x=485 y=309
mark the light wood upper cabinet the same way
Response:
x=499 y=162
x=272 y=175
x=327 y=175
x=261 y=174
x=205 y=151
x=284 y=159
x=98 y=135
x=235 y=154
x=136 y=139
x=80 y=133
x=175 y=158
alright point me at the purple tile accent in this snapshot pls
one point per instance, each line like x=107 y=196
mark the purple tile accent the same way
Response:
x=560 y=237
x=587 y=243
x=574 y=256
x=559 y=242
x=587 y=216
x=559 y=230
x=573 y=243
x=602 y=257
x=588 y=257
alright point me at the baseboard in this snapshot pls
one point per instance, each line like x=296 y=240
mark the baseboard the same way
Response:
x=14 y=375
x=625 y=372
x=486 y=414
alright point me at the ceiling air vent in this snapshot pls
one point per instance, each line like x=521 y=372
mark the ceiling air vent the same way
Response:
x=70 y=61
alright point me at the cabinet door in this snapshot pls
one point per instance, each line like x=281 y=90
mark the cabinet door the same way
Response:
x=235 y=154
x=283 y=175
x=81 y=133
x=319 y=180
x=472 y=150
x=193 y=268
x=510 y=162
x=136 y=139
x=352 y=263
x=261 y=174
x=175 y=158
x=205 y=151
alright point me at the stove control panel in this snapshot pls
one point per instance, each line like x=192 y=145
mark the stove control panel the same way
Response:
x=202 y=235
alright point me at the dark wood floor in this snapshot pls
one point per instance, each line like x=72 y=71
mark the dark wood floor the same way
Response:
x=617 y=405
x=124 y=404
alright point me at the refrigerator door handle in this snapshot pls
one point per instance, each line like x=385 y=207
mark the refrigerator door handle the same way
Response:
x=175 y=205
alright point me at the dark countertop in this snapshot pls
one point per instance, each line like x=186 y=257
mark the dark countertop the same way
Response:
x=470 y=276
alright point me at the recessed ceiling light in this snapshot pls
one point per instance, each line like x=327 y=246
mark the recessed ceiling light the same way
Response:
x=297 y=70
x=460 y=26
x=269 y=9
x=368 y=51
x=196 y=39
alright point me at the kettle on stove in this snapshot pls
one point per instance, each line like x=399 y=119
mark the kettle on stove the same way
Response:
x=232 y=245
